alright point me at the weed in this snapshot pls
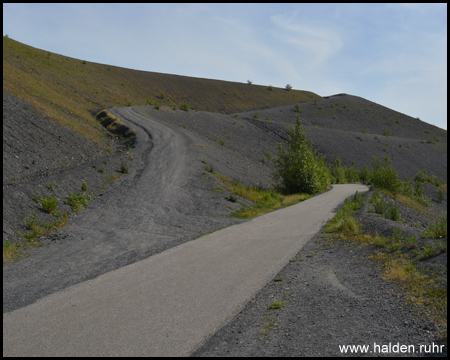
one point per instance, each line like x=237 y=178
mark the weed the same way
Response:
x=278 y=279
x=184 y=107
x=30 y=223
x=424 y=177
x=78 y=201
x=439 y=229
x=440 y=195
x=51 y=187
x=410 y=241
x=84 y=186
x=101 y=170
x=49 y=204
x=277 y=304
x=231 y=198
x=124 y=169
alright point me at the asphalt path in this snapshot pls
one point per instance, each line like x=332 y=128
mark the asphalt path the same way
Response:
x=171 y=302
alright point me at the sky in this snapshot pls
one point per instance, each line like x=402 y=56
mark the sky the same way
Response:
x=391 y=54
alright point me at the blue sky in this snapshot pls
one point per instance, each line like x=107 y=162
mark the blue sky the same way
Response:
x=392 y=54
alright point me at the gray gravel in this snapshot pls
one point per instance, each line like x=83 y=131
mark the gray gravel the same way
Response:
x=37 y=154
x=333 y=295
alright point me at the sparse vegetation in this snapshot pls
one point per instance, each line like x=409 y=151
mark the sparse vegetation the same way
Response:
x=184 y=107
x=49 y=204
x=277 y=304
x=78 y=201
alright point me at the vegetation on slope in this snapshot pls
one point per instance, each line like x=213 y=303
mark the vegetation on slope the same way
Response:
x=72 y=91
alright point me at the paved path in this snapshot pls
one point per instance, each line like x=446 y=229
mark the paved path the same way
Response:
x=170 y=303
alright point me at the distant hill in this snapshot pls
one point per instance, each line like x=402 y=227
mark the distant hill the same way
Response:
x=71 y=91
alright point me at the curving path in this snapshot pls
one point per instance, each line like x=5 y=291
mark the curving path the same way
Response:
x=169 y=303
x=158 y=205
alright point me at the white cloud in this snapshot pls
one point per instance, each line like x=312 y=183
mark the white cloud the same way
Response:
x=316 y=44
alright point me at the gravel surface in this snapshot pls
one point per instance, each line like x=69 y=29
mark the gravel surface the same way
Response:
x=187 y=203
x=333 y=295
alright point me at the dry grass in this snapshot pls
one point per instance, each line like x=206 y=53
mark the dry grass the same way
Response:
x=71 y=91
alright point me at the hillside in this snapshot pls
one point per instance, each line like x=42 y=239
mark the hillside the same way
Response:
x=171 y=185
x=46 y=96
x=72 y=91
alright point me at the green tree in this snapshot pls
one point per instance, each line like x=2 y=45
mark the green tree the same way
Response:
x=299 y=169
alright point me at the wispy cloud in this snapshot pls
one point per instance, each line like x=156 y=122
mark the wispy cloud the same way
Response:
x=393 y=54
x=316 y=44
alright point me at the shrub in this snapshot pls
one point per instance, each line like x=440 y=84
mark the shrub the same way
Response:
x=84 y=186
x=439 y=229
x=389 y=211
x=298 y=169
x=364 y=174
x=49 y=204
x=384 y=177
x=78 y=201
x=337 y=172
x=440 y=195
x=184 y=107
x=288 y=87
x=424 y=177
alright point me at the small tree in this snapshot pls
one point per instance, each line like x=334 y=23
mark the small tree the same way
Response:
x=298 y=169
x=288 y=87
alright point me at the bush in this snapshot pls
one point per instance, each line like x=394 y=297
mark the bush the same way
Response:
x=78 y=201
x=424 y=177
x=364 y=174
x=337 y=172
x=298 y=169
x=385 y=177
x=184 y=107
x=49 y=204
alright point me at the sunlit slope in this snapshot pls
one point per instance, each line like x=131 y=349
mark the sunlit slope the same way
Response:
x=70 y=91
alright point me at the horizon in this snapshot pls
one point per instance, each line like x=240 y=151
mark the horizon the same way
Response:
x=366 y=50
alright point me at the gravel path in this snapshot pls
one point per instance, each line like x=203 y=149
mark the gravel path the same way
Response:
x=123 y=225
x=169 y=303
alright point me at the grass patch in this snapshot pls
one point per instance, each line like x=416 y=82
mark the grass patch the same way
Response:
x=439 y=230
x=265 y=200
x=78 y=201
x=399 y=264
x=343 y=222
x=277 y=304
x=49 y=204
